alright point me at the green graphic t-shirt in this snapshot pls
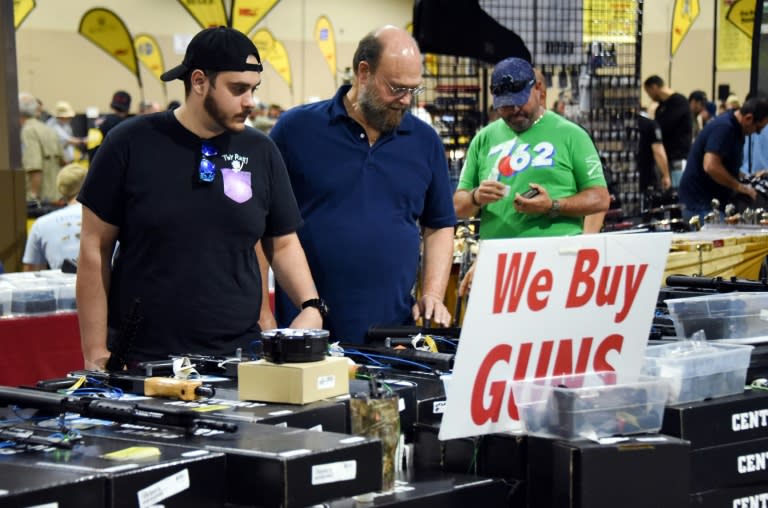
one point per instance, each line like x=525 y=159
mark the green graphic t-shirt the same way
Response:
x=554 y=153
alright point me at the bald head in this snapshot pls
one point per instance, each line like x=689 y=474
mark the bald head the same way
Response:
x=389 y=43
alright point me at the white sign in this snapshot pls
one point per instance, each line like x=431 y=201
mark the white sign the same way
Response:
x=548 y=307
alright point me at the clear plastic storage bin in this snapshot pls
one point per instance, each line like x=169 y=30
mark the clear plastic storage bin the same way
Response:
x=699 y=370
x=591 y=405
x=6 y=295
x=33 y=297
x=722 y=316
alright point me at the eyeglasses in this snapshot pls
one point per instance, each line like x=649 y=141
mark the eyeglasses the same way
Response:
x=402 y=91
x=507 y=84
x=207 y=168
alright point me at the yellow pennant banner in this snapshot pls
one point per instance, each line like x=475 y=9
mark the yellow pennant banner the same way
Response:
x=326 y=41
x=247 y=13
x=742 y=16
x=734 y=42
x=683 y=16
x=149 y=54
x=273 y=52
x=207 y=14
x=21 y=9
x=103 y=28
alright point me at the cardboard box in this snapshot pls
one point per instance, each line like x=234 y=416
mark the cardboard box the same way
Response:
x=639 y=472
x=275 y=466
x=734 y=497
x=440 y=490
x=730 y=465
x=492 y=455
x=30 y=486
x=293 y=383
x=721 y=421
x=168 y=475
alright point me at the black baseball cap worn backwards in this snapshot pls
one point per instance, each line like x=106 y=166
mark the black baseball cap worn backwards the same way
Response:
x=216 y=49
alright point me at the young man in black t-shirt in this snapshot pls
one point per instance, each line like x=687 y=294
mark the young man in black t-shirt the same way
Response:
x=189 y=193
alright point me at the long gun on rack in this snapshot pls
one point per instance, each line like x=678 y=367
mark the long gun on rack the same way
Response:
x=115 y=410
x=717 y=283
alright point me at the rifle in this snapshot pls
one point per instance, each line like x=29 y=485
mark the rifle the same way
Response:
x=717 y=283
x=115 y=410
x=123 y=343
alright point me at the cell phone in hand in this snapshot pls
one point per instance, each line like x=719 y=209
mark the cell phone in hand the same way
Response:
x=530 y=193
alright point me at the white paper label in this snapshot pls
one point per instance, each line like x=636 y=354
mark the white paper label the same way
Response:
x=401 y=405
x=163 y=489
x=46 y=505
x=326 y=382
x=438 y=407
x=334 y=472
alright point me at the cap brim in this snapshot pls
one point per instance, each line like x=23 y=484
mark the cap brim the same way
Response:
x=513 y=99
x=177 y=72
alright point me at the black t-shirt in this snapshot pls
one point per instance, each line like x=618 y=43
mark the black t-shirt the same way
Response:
x=187 y=247
x=674 y=117
x=649 y=133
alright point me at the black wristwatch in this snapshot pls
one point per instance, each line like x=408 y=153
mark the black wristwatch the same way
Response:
x=317 y=303
x=554 y=212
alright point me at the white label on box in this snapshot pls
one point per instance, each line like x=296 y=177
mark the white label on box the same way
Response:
x=334 y=472
x=195 y=453
x=294 y=453
x=281 y=413
x=163 y=489
x=46 y=505
x=326 y=382
x=438 y=407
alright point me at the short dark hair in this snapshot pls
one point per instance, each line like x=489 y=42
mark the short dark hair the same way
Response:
x=211 y=75
x=653 y=81
x=757 y=107
x=369 y=50
x=698 y=96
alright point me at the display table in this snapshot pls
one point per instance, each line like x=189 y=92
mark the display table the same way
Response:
x=718 y=251
x=38 y=347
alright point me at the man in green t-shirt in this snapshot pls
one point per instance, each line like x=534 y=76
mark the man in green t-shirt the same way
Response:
x=529 y=149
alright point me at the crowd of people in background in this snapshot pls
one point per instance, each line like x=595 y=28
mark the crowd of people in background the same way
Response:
x=364 y=154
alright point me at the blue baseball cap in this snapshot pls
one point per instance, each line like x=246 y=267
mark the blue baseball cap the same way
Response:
x=511 y=82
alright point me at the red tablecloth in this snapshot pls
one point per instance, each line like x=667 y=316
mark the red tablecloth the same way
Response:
x=38 y=347
x=41 y=347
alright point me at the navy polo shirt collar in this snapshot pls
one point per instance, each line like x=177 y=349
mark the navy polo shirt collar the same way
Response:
x=337 y=111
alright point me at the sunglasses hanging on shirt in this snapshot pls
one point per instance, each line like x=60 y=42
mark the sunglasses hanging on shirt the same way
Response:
x=207 y=170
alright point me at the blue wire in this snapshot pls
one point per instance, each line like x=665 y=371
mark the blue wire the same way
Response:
x=364 y=355
x=395 y=358
x=441 y=339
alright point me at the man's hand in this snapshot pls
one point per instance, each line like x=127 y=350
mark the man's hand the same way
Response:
x=99 y=363
x=308 y=318
x=666 y=182
x=429 y=307
x=748 y=190
x=466 y=282
x=490 y=191
x=541 y=203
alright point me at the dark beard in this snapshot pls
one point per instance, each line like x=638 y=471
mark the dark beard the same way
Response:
x=378 y=115
x=215 y=113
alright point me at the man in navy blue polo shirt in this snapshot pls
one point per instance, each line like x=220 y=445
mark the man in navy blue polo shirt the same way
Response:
x=712 y=170
x=369 y=177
